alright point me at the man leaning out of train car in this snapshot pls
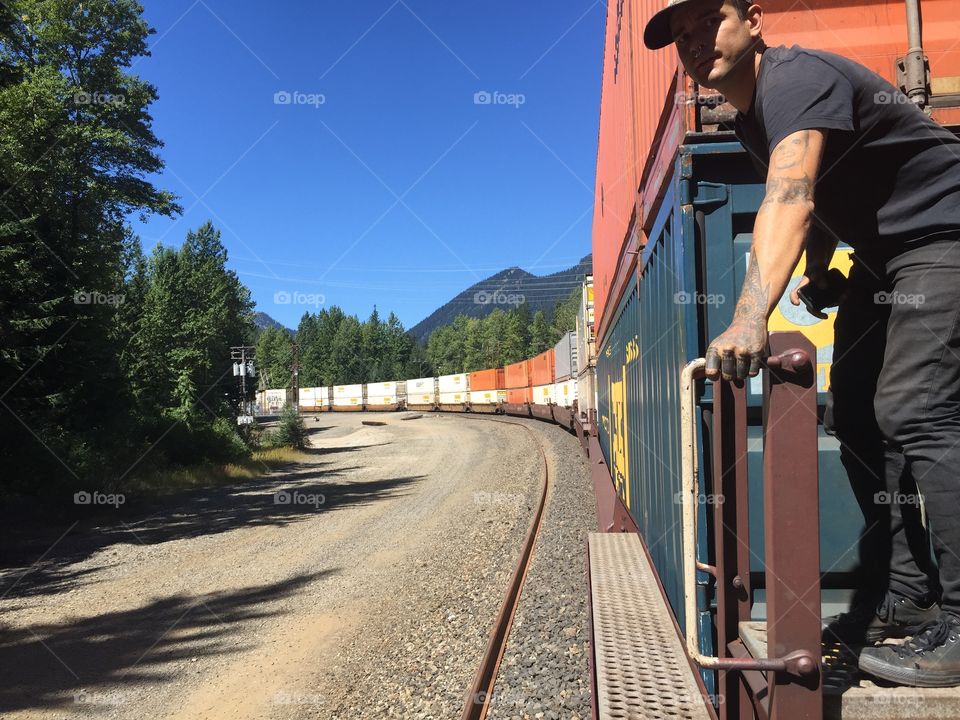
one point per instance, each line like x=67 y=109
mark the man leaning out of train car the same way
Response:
x=847 y=156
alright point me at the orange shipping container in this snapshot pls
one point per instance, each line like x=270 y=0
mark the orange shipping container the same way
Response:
x=492 y=379
x=544 y=368
x=640 y=89
x=520 y=395
x=516 y=375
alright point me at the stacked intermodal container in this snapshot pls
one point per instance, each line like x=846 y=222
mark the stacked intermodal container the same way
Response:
x=543 y=376
x=565 y=383
x=517 y=380
x=315 y=399
x=486 y=386
x=348 y=397
x=381 y=396
x=586 y=352
x=421 y=393
x=649 y=107
x=452 y=390
x=674 y=204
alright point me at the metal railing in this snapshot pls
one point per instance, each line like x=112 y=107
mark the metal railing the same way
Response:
x=787 y=684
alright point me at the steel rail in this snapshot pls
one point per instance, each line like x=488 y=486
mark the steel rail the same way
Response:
x=478 y=700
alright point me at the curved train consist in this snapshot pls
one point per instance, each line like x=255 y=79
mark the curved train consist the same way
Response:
x=556 y=385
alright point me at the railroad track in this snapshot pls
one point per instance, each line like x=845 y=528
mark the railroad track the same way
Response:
x=481 y=692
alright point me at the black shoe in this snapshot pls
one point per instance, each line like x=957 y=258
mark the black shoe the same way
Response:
x=894 y=617
x=930 y=659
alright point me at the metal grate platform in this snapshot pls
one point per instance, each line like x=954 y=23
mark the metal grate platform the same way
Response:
x=642 y=669
x=851 y=696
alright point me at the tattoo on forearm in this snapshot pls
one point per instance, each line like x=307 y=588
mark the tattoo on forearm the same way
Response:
x=752 y=305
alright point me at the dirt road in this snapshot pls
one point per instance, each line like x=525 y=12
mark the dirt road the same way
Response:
x=361 y=582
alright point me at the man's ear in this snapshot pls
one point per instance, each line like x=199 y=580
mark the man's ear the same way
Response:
x=755 y=18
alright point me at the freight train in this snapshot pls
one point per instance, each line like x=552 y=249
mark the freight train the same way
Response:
x=556 y=385
x=675 y=201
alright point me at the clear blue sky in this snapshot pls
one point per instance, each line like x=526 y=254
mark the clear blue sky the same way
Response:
x=383 y=181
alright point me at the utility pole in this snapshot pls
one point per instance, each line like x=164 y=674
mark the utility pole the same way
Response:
x=243 y=357
x=296 y=376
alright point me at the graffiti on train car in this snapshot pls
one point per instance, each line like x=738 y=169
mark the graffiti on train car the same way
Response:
x=618 y=424
x=787 y=316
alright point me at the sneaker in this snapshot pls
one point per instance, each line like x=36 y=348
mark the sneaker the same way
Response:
x=929 y=659
x=894 y=617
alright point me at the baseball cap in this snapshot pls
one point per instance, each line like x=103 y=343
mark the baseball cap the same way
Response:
x=657 y=33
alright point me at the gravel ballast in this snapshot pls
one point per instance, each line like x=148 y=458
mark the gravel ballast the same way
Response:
x=545 y=670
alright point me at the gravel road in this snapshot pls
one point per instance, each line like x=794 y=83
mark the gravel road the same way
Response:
x=365 y=590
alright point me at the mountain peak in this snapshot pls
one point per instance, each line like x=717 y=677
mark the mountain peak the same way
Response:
x=506 y=290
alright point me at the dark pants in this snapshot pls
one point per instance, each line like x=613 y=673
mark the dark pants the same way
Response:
x=895 y=386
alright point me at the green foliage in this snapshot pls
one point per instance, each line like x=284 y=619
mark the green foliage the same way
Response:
x=338 y=349
x=500 y=338
x=110 y=360
x=290 y=431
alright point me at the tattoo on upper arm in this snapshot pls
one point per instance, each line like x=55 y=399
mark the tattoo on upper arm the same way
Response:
x=788 y=191
x=752 y=305
x=788 y=159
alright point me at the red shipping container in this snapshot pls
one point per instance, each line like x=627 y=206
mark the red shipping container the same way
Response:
x=517 y=375
x=520 y=395
x=492 y=379
x=640 y=89
x=544 y=368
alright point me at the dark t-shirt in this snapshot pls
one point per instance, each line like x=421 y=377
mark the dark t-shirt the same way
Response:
x=889 y=174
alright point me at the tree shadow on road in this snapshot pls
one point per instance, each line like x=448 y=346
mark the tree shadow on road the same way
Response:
x=37 y=560
x=91 y=664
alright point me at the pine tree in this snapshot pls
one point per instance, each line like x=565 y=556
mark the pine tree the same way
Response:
x=75 y=146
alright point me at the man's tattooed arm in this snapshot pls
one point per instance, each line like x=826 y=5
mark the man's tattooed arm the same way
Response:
x=779 y=238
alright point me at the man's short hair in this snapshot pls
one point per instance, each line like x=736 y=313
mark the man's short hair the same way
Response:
x=741 y=7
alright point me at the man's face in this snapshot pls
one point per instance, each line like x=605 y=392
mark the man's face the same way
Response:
x=711 y=38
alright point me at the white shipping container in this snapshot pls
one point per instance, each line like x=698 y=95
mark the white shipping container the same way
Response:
x=565 y=354
x=420 y=391
x=484 y=397
x=586 y=390
x=308 y=397
x=543 y=394
x=453 y=398
x=418 y=386
x=348 y=395
x=452 y=383
x=565 y=392
x=381 y=393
